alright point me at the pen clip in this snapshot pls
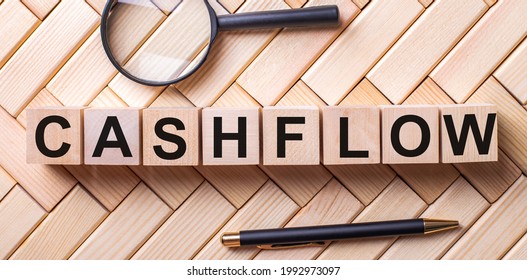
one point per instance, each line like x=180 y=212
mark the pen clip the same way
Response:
x=292 y=245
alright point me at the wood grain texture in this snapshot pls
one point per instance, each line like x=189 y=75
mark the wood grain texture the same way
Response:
x=89 y=70
x=519 y=251
x=408 y=205
x=363 y=135
x=127 y=228
x=300 y=185
x=46 y=184
x=357 y=50
x=192 y=225
x=512 y=120
x=129 y=123
x=172 y=184
x=231 y=53
x=16 y=24
x=480 y=240
x=301 y=94
x=485 y=114
x=107 y=98
x=510 y=73
x=231 y=5
x=364 y=181
x=64 y=229
x=33 y=65
x=6 y=183
x=109 y=184
x=268 y=208
x=293 y=49
x=43 y=99
x=361 y=3
x=236 y=96
x=423 y=46
x=19 y=214
x=303 y=152
x=426 y=3
x=498 y=32
x=410 y=134
x=334 y=204
x=365 y=93
x=75 y=71
x=232 y=122
x=427 y=180
x=55 y=135
x=491 y=179
x=237 y=184
x=41 y=8
x=183 y=122
x=171 y=97
x=160 y=48
x=460 y=202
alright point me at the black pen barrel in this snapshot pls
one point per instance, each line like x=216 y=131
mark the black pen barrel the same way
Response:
x=333 y=232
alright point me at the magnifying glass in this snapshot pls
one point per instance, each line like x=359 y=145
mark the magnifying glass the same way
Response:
x=178 y=43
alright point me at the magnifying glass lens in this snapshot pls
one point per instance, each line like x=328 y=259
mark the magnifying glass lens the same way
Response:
x=159 y=41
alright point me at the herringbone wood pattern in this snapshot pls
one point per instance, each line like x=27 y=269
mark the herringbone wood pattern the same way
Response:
x=384 y=52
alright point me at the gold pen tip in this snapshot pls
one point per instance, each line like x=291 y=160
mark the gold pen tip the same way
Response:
x=435 y=225
x=230 y=239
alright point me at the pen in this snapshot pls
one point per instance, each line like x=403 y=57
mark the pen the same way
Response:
x=320 y=235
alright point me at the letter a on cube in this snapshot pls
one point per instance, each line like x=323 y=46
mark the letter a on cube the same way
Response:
x=54 y=135
x=352 y=135
x=112 y=136
x=291 y=135
x=469 y=133
x=231 y=136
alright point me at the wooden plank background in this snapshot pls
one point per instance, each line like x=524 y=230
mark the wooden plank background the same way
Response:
x=383 y=52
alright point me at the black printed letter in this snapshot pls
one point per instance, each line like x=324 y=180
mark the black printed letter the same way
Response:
x=344 y=134
x=112 y=123
x=470 y=123
x=241 y=136
x=39 y=137
x=282 y=136
x=172 y=138
x=425 y=136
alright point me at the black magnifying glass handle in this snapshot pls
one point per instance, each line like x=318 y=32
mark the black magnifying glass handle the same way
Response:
x=304 y=17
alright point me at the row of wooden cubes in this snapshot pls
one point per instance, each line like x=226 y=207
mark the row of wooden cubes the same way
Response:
x=290 y=135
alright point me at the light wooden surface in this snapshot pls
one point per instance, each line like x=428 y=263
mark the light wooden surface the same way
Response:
x=104 y=125
x=485 y=115
x=420 y=134
x=232 y=122
x=56 y=136
x=299 y=128
x=412 y=52
x=188 y=129
x=362 y=125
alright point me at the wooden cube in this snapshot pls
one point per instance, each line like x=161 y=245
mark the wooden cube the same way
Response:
x=410 y=134
x=231 y=136
x=171 y=136
x=469 y=133
x=291 y=136
x=112 y=136
x=351 y=135
x=54 y=135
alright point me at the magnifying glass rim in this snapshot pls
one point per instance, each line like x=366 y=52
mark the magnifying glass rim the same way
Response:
x=106 y=45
